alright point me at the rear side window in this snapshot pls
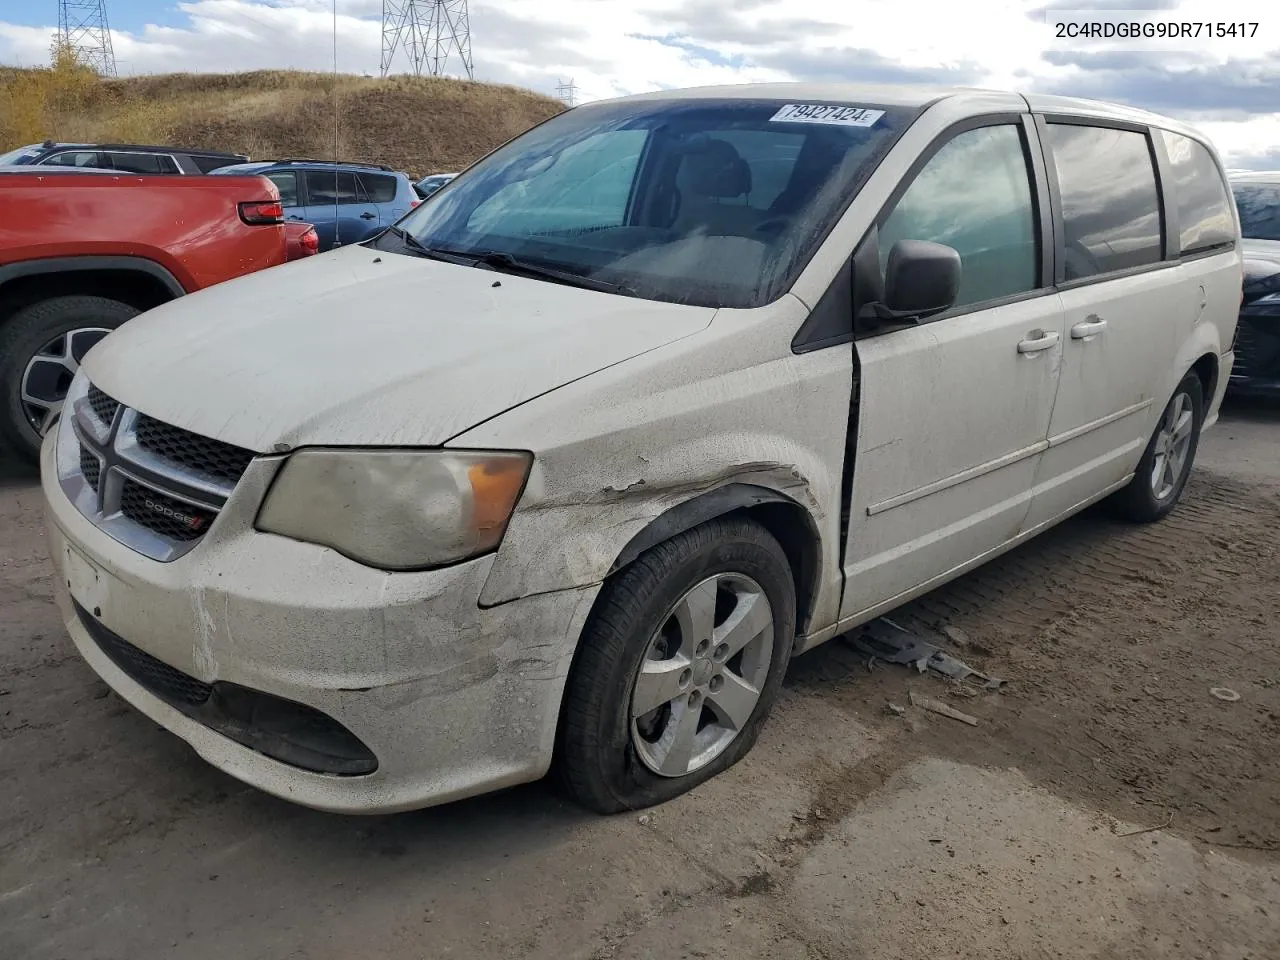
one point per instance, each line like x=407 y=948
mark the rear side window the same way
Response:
x=1204 y=207
x=974 y=195
x=330 y=187
x=1110 y=202
x=287 y=183
x=141 y=162
x=379 y=189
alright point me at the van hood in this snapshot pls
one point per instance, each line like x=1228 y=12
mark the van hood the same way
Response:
x=361 y=347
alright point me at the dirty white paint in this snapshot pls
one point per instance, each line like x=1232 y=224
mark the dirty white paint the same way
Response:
x=357 y=347
x=630 y=407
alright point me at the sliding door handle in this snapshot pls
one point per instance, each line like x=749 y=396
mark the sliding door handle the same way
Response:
x=1090 y=326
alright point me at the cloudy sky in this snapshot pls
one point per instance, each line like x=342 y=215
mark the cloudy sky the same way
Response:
x=1230 y=87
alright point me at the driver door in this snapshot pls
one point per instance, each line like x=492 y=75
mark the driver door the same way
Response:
x=953 y=413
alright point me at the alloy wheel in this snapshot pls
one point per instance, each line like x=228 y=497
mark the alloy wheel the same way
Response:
x=702 y=675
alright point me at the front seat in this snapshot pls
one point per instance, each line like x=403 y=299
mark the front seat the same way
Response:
x=710 y=179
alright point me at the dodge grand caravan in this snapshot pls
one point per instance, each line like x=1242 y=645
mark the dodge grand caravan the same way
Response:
x=563 y=468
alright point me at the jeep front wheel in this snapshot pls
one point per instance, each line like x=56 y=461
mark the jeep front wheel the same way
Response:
x=41 y=347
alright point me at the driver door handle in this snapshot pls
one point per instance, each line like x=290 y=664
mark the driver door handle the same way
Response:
x=368 y=216
x=1039 y=341
x=1090 y=326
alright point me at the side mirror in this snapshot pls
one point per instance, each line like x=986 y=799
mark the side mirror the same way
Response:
x=921 y=278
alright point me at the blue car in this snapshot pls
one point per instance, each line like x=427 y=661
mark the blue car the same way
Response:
x=346 y=202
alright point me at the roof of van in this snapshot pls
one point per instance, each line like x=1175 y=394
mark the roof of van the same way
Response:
x=984 y=100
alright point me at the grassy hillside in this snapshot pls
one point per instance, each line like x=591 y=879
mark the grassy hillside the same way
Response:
x=421 y=125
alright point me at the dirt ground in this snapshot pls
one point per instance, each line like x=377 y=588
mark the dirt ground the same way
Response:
x=1106 y=805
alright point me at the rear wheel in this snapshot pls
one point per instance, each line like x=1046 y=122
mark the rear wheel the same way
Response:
x=1166 y=463
x=678 y=667
x=41 y=347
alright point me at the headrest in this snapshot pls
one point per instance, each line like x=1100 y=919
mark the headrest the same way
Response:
x=716 y=169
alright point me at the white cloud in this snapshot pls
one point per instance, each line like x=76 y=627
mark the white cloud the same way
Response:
x=612 y=47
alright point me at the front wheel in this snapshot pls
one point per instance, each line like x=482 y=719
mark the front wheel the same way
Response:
x=41 y=347
x=677 y=668
x=1166 y=463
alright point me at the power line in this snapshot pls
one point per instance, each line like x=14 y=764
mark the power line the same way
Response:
x=430 y=32
x=83 y=32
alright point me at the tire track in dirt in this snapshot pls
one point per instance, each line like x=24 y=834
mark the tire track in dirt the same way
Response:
x=1111 y=636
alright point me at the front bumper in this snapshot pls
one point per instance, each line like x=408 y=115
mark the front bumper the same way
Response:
x=452 y=699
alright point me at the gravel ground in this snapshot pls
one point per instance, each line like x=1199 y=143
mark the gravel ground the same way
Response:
x=851 y=830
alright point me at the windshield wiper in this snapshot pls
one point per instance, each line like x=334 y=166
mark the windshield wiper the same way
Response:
x=422 y=250
x=511 y=264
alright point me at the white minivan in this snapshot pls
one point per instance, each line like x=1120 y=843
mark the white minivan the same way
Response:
x=563 y=469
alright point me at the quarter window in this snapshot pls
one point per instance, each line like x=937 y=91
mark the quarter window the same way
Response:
x=1110 y=201
x=974 y=195
x=1204 y=208
x=379 y=188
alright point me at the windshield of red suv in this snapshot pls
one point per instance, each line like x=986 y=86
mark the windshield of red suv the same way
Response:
x=711 y=202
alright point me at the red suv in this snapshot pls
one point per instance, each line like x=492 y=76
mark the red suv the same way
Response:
x=81 y=252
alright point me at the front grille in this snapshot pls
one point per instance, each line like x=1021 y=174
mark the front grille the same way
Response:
x=103 y=406
x=90 y=466
x=155 y=488
x=169 y=684
x=163 y=514
x=213 y=457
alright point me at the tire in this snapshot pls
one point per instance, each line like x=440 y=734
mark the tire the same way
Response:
x=609 y=760
x=1141 y=501
x=62 y=325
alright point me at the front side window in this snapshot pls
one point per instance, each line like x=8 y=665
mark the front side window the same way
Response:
x=286 y=182
x=76 y=158
x=709 y=202
x=1204 y=207
x=974 y=195
x=1259 y=207
x=1110 y=202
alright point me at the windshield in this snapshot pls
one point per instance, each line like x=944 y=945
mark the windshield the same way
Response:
x=14 y=157
x=717 y=203
x=1259 y=206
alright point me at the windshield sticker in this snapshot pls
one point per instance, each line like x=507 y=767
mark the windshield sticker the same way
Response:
x=827 y=113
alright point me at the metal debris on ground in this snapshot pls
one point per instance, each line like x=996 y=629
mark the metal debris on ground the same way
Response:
x=938 y=707
x=895 y=709
x=884 y=640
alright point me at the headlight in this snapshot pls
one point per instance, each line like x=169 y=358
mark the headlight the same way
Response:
x=397 y=509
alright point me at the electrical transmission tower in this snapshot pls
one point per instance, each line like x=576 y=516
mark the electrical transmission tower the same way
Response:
x=83 y=31
x=429 y=31
x=567 y=92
